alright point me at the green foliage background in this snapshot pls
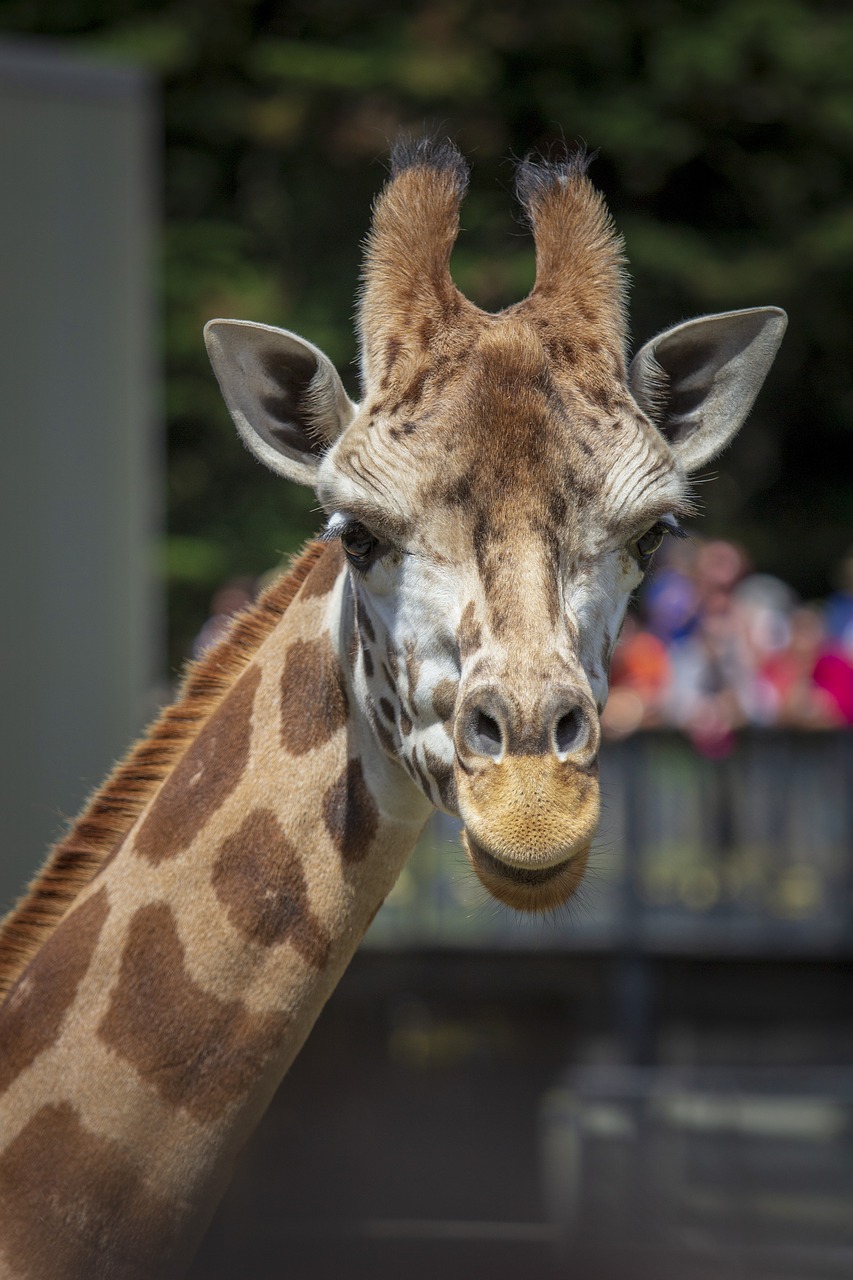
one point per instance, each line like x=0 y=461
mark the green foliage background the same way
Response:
x=725 y=133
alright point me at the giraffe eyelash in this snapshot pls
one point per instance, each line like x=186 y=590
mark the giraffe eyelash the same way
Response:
x=670 y=523
x=335 y=526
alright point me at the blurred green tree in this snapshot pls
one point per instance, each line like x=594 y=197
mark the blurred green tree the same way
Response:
x=725 y=131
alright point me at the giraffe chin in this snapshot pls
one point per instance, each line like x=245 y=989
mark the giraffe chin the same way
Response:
x=529 y=822
x=526 y=888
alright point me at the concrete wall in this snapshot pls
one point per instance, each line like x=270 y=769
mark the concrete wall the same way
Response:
x=80 y=614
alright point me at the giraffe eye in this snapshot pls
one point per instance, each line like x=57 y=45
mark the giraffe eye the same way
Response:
x=359 y=545
x=648 y=544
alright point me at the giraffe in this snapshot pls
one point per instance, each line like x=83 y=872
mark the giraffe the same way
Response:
x=491 y=504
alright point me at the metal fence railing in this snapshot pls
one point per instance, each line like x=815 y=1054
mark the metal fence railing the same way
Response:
x=677 y=1174
x=749 y=854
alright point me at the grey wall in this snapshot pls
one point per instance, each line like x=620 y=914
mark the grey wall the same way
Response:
x=80 y=615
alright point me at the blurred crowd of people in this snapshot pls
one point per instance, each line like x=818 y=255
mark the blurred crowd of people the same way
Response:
x=710 y=647
x=713 y=646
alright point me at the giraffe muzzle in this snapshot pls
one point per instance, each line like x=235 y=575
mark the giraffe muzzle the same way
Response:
x=529 y=821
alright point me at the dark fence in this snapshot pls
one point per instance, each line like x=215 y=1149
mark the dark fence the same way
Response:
x=750 y=854
x=674 y=1174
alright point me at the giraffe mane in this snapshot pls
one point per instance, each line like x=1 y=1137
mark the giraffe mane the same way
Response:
x=75 y=860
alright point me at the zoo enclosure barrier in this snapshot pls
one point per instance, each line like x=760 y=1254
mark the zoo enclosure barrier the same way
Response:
x=747 y=855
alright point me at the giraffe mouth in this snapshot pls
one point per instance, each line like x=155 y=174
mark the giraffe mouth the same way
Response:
x=529 y=822
x=522 y=886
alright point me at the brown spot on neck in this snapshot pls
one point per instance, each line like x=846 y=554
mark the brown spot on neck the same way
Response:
x=114 y=809
x=198 y=1052
x=258 y=878
x=204 y=779
x=350 y=813
x=313 y=698
x=32 y=1015
x=73 y=1204
x=325 y=572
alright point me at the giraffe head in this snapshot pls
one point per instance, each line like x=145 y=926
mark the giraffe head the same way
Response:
x=498 y=493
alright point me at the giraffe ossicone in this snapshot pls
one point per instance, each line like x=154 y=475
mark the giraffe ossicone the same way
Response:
x=496 y=492
x=492 y=502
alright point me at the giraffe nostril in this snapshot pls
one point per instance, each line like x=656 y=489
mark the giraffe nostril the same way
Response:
x=486 y=738
x=481 y=732
x=569 y=731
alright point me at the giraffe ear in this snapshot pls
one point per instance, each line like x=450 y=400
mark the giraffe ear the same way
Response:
x=285 y=396
x=698 y=380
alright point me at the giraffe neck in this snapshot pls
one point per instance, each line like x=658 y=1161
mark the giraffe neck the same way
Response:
x=145 y=1039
